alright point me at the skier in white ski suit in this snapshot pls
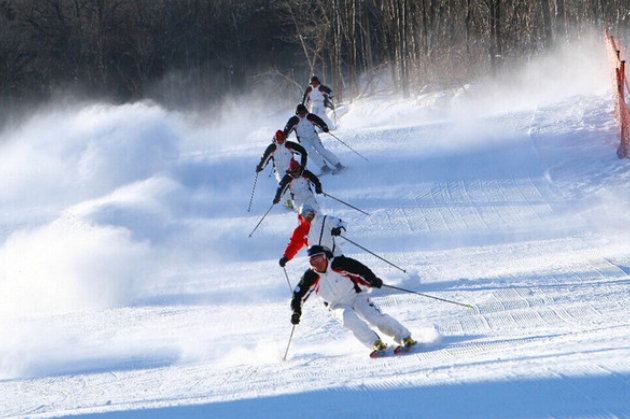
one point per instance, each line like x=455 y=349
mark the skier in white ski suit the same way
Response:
x=342 y=283
x=281 y=152
x=317 y=94
x=303 y=123
x=298 y=182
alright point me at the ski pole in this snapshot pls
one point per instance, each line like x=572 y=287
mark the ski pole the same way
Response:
x=251 y=198
x=261 y=220
x=428 y=296
x=289 y=344
x=345 y=203
x=372 y=253
x=288 y=282
x=336 y=138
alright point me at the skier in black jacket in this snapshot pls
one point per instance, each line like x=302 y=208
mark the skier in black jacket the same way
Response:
x=281 y=152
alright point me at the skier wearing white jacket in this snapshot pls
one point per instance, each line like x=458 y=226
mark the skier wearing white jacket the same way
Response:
x=281 y=152
x=342 y=283
x=303 y=123
x=318 y=94
x=298 y=182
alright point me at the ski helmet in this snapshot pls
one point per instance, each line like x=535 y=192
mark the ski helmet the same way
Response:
x=279 y=136
x=293 y=165
x=314 y=79
x=316 y=250
x=300 y=108
x=307 y=210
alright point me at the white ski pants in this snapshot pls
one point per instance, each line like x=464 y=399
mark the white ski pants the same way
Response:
x=299 y=200
x=357 y=316
x=318 y=108
x=317 y=153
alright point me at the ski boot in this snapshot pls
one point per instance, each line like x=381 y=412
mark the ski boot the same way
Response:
x=379 y=349
x=338 y=168
x=404 y=346
x=325 y=170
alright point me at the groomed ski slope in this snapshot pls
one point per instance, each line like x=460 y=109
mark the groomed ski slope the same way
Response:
x=129 y=287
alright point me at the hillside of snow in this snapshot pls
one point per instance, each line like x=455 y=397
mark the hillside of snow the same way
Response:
x=130 y=286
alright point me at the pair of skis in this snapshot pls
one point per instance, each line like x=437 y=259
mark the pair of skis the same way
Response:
x=398 y=350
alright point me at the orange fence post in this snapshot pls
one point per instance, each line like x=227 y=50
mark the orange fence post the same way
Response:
x=618 y=78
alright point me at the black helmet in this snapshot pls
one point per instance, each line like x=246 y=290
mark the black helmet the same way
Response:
x=319 y=250
x=300 y=108
x=314 y=79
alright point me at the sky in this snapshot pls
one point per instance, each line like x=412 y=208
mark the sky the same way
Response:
x=134 y=282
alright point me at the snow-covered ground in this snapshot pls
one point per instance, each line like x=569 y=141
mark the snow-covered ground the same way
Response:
x=130 y=288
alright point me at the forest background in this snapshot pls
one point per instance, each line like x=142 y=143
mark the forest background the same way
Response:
x=190 y=53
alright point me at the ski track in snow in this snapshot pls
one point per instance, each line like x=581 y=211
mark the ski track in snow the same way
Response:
x=510 y=228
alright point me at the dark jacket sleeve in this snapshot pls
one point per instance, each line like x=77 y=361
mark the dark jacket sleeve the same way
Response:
x=325 y=89
x=307 y=91
x=267 y=154
x=354 y=267
x=282 y=186
x=316 y=120
x=313 y=179
x=290 y=126
x=296 y=147
x=303 y=289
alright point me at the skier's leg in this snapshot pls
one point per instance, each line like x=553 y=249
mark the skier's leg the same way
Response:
x=313 y=156
x=300 y=200
x=319 y=109
x=350 y=320
x=383 y=322
x=327 y=154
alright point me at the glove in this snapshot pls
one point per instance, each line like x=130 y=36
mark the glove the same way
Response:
x=336 y=231
x=325 y=129
x=276 y=200
x=283 y=261
x=295 y=317
x=318 y=190
x=377 y=282
x=259 y=169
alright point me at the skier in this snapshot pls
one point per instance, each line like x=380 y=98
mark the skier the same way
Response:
x=298 y=181
x=343 y=283
x=281 y=152
x=314 y=229
x=303 y=123
x=319 y=96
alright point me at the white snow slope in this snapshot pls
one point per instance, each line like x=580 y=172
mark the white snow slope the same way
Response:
x=130 y=288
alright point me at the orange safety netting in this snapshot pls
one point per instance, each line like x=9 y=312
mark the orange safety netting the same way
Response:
x=618 y=78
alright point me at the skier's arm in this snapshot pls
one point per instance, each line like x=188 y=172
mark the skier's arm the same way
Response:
x=297 y=147
x=296 y=242
x=282 y=187
x=302 y=290
x=290 y=126
x=355 y=267
x=265 y=157
x=314 y=180
x=318 y=121
x=307 y=92
x=339 y=226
